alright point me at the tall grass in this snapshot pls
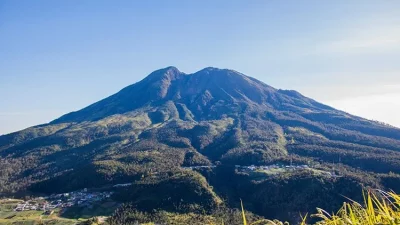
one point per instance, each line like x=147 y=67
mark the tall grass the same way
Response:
x=382 y=208
x=265 y=221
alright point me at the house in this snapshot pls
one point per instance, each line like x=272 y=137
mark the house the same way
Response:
x=252 y=167
x=122 y=185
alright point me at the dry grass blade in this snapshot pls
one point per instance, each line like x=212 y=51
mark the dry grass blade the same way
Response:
x=243 y=214
x=378 y=209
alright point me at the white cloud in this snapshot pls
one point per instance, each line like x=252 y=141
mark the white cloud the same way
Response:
x=362 y=40
x=381 y=107
x=371 y=42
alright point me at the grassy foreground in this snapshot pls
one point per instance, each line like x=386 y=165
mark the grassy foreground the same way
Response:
x=382 y=208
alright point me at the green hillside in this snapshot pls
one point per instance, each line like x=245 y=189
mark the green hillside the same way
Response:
x=150 y=132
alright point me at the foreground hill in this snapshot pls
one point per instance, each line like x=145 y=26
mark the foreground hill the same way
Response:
x=149 y=130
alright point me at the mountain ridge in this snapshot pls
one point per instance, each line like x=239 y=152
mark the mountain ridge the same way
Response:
x=162 y=82
x=203 y=90
x=150 y=133
x=171 y=120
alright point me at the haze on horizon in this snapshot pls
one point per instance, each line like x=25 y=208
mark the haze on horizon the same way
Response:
x=58 y=57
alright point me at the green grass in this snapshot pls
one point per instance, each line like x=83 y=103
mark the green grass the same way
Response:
x=99 y=209
x=260 y=173
x=272 y=171
x=303 y=131
x=378 y=209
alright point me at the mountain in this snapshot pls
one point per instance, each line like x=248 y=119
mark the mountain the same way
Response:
x=203 y=93
x=151 y=129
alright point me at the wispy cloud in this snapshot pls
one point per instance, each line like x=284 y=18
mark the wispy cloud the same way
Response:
x=14 y=113
x=362 y=40
x=372 y=42
x=381 y=107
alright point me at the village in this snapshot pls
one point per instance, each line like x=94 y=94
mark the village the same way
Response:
x=276 y=169
x=59 y=201
x=274 y=166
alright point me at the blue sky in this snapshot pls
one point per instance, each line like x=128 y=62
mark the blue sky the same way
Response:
x=60 y=56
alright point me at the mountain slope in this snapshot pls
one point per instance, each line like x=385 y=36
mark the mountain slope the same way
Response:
x=171 y=120
x=200 y=92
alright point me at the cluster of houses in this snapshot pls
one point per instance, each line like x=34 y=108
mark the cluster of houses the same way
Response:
x=274 y=166
x=28 y=205
x=284 y=168
x=197 y=167
x=280 y=167
x=65 y=200
x=123 y=185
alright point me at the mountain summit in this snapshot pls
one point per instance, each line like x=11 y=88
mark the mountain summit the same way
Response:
x=171 y=120
x=208 y=89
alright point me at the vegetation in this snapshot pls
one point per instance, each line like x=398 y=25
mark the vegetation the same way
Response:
x=378 y=209
x=147 y=134
x=383 y=210
x=129 y=215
